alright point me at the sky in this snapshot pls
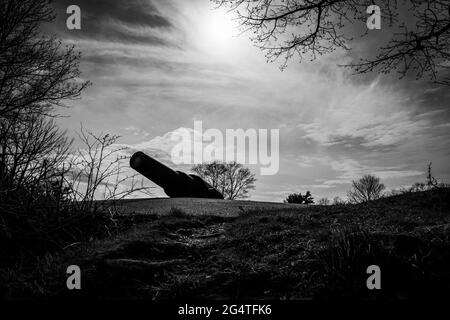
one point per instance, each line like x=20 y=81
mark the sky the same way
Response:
x=156 y=66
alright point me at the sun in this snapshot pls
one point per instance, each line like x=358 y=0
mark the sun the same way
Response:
x=220 y=28
x=217 y=32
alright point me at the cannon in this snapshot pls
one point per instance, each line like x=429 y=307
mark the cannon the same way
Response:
x=175 y=183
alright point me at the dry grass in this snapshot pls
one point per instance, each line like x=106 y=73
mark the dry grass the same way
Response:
x=316 y=252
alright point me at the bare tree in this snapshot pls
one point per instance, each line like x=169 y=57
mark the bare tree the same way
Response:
x=97 y=172
x=213 y=173
x=365 y=189
x=37 y=72
x=232 y=179
x=337 y=201
x=323 y=202
x=431 y=180
x=311 y=28
x=32 y=152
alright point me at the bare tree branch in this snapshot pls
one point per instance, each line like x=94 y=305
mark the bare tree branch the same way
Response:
x=232 y=179
x=311 y=28
x=37 y=72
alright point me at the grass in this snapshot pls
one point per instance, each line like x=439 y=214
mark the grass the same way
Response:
x=314 y=252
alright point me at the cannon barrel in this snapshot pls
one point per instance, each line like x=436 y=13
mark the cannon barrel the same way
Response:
x=174 y=183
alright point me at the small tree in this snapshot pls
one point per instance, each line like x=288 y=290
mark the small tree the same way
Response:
x=365 y=189
x=232 y=179
x=299 y=198
x=431 y=180
x=99 y=167
x=323 y=202
x=337 y=201
x=418 y=187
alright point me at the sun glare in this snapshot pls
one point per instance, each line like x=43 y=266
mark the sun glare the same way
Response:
x=218 y=32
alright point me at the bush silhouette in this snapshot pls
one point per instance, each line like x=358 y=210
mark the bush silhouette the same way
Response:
x=299 y=198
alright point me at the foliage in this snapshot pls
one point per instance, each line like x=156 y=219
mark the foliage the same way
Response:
x=50 y=196
x=42 y=207
x=299 y=198
x=430 y=184
x=294 y=252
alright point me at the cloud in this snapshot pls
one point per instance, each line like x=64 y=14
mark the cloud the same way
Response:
x=132 y=21
x=373 y=117
x=188 y=146
x=119 y=176
x=136 y=131
x=350 y=169
x=157 y=72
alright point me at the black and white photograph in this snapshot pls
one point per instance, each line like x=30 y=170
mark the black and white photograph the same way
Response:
x=204 y=153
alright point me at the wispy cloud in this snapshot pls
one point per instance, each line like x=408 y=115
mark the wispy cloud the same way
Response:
x=133 y=21
x=374 y=116
x=156 y=66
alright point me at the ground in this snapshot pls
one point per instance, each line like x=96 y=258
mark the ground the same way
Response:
x=217 y=249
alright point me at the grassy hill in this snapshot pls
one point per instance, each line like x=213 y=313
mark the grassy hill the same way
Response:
x=197 y=206
x=258 y=251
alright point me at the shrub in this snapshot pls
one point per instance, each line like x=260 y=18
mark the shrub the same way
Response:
x=410 y=267
x=337 y=201
x=323 y=202
x=299 y=198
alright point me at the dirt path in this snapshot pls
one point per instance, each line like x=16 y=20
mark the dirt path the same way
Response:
x=154 y=256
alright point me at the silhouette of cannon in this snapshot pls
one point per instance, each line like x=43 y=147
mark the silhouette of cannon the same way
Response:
x=175 y=183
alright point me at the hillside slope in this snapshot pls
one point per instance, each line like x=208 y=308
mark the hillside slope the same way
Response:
x=289 y=252
x=196 y=206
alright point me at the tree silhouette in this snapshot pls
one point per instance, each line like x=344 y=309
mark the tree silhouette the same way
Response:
x=337 y=201
x=32 y=154
x=232 y=179
x=311 y=28
x=37 y=72
x=431 y=180
x=366 y=189
x=323 y=202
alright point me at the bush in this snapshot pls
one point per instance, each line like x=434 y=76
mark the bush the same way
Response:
x=299 y=198
x=323 y=202
x=42 y=207
x=410 y=267
x=337 y=201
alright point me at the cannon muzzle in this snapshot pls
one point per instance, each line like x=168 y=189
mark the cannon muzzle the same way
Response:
x=175 y=183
